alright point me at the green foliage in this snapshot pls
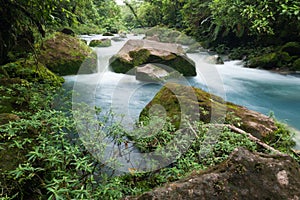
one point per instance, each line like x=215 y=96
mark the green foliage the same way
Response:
x=43 y=156
x=32 y=71
x=20 y=95
x=281 y=139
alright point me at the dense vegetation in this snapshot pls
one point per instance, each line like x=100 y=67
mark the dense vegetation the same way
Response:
x=241 y=28
x=24 y=23
x=41 y=154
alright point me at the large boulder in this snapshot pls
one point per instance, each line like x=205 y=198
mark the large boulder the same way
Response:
x=244 y=175
x=176 y=99
x=138 y=52
x=292 y=48
x=64 y=55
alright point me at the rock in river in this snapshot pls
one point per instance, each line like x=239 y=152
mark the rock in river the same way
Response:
x=138 y=52
x=179 y=99
x=151 y=73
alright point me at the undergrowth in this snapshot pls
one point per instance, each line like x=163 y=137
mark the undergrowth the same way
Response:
x=44 y=157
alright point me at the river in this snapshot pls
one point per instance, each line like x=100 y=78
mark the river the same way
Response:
x=258 y=90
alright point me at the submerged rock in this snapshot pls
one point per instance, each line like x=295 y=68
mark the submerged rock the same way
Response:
x=138 y=52
x=176 y=98
x=244 y=175
x=64 y=54
x=215 y=60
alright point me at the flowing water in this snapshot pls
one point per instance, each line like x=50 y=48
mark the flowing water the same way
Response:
x=258 y=90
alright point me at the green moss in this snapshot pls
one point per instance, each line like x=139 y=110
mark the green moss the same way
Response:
x=100 y=43
x=119 y=65
x=139 y=57
x=31 y=71
x=64 y=54
x=266 y=61
x=182 y=64
x=296 y=65
x=292 y=48
x=213 y=109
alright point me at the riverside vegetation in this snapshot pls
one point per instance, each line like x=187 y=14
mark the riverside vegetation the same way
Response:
x=43 y=157
x=41 y=154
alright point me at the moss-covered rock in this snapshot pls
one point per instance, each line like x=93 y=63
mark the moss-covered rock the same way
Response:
x=213 y=109
x=64 y=54
x=292 y=48
x=296 y=65
x=32 y=71
x=266 y=61
x=138 y=52
x=244 y=175
x=100 y=43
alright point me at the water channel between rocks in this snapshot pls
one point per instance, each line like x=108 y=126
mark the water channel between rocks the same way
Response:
x=258 y=90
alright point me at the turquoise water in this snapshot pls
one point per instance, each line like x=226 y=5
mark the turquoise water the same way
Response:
x=258 y=90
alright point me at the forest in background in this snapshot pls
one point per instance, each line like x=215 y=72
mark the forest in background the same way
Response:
x=235 y=27
x=41 y=158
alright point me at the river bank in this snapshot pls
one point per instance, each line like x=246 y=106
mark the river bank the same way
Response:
x=51 y=161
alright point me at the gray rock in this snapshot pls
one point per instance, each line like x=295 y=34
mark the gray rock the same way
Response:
x=151 y=73
x=244 y=175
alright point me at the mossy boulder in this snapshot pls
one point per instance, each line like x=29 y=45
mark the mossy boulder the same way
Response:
x=32 y=71
x=296 y=65
x=244 y=175
x=266 y=61
x=64 y=54
x=176 y=99
x=138 y=52
x=292 y=48
x=100 y=43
